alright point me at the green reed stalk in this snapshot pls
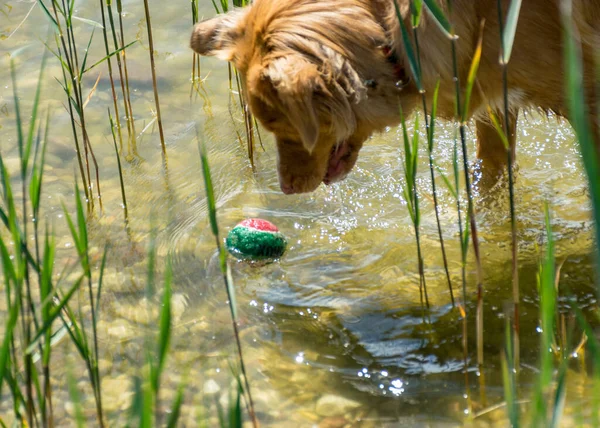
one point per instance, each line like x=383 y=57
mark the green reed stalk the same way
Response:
x=581 y=119
x=249 y=121
x=123 y=197
x=133 y=148
x=30 y=317
x=470 y=206
x=507 y=35
x=195 y=57
x=76 y=74
x=593 y=346
x=110 y=75
x=62 y=18
x=508 y=375
x=66 y=66
x=155 y=87
x=30 y=313
x=146 y=404
x=546 y=284
x=164 y=338
x=126 y=105
x=224 y=266
x=410 y=158
x=29 y=320
x=462 y=114
x=416 y=11
x=411 y=196
x=78 y=334
x=462 y=109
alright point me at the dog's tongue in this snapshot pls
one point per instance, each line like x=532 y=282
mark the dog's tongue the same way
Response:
x=336 y=163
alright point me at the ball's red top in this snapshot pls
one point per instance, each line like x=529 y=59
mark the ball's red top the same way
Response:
x=259 y=224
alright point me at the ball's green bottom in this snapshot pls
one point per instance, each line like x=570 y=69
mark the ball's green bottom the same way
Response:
x=251 y=244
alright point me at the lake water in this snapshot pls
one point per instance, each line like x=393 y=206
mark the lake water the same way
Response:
x=334 y=334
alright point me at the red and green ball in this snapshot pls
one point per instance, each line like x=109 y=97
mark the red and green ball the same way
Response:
x=256 y=239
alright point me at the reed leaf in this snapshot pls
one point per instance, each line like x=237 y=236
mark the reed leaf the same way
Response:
x=546 y=282
x=439 y=17
x=35 y=183
x=33 y=118
x=510 y=29
x=175 y=412
x=471 y=76
x=113 y=53
x=164 y=336
x=85 y=56
x=101 y=277
x=579 y=118
x=408 y=48
x=93 y=23
x=9 y=328
x=49 y=15
x=560 y=395
x=498 y=127
x=508 y=376
x=416 y=8
x=54 y=313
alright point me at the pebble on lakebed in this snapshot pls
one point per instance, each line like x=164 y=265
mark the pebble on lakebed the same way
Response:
x=256 y=240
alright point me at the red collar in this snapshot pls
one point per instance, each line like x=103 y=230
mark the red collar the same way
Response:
x=399 y=69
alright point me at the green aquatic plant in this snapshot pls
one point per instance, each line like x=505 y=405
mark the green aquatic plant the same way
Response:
x=507 y=37
x=416 y=11
x=580 y=119
x=411 y=151
x=155 y=88
x=228 y=281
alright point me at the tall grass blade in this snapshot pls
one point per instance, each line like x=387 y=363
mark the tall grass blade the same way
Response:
x=155 y=86
x=472 y=75
x=408 y=48
x=48 y=14
x=560 y=395
x=224 y=269
x=580 y=118
x=416 y=10
x=507 y=35
x=121 y=182
x=164 y=336
x=113 y=53
x=508 y=376
x=175 y=412
x=54 y=313
x=439 y=17
x=6 y=342
x=510 y=29
x=547 y=316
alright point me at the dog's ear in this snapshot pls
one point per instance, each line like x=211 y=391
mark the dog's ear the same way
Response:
x=294 y=84
x=218 y=36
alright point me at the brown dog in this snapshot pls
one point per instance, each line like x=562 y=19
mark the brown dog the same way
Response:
x=323 y=75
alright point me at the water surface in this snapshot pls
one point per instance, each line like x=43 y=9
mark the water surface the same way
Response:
x=341 y=314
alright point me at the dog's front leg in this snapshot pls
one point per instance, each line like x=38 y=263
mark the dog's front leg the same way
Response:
x=491 y=150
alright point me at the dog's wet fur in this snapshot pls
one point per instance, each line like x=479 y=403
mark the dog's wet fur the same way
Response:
x=324 y=75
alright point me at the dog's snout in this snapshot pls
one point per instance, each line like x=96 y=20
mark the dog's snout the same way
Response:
x=287 y=189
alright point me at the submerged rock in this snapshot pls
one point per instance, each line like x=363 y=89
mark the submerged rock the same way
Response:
x=211 y=387
x=335 y=405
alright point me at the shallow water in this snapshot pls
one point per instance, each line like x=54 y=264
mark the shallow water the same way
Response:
x=340 y=315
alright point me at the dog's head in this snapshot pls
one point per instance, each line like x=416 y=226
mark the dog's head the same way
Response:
x=302 y=66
